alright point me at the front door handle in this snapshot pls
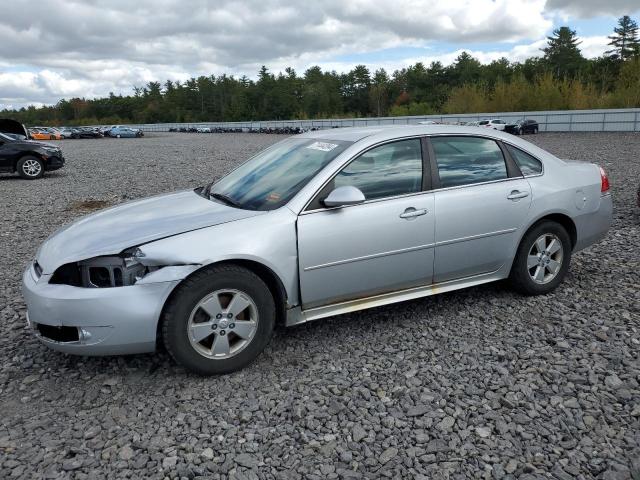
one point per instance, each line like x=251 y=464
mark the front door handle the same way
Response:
x=412 y=213
x=517 y=195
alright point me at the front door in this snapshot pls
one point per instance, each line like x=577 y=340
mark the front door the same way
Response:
x=381 y=245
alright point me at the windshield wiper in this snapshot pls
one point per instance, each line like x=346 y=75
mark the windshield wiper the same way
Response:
x=225 y=199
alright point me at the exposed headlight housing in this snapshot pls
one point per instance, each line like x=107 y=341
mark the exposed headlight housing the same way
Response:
x=104 y=272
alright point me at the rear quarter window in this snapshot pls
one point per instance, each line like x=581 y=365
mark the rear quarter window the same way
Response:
x=529 y=165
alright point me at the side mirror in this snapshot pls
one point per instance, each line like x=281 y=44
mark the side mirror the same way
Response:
x=343 y=196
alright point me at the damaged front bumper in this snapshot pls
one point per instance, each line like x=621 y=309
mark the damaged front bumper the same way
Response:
x=99 y=321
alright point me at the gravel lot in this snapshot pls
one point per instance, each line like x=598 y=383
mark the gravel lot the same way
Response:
x=480 y=383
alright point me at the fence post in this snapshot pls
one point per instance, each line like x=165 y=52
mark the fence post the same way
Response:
x=604 y=119
x=635 y=122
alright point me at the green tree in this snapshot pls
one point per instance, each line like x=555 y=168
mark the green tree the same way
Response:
x=624 y=41
x=562 y=53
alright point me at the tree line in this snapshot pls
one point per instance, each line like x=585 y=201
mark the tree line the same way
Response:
x=558 y=79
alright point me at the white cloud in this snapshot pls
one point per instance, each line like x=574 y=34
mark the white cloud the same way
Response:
x=89 y=48
x=594 y=8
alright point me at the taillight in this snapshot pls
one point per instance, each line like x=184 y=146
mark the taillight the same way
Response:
x=604 y=181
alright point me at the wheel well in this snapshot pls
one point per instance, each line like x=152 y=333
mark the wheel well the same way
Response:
x=563 y=220
x=267 y=275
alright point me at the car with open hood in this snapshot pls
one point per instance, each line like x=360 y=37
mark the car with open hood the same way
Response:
x=29 y=158
x=320 y=224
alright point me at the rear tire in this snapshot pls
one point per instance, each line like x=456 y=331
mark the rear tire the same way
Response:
x=30 y=168
x=542 y=259
x=218 y=320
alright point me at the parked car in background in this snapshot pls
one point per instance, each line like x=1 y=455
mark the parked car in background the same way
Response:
x=65 y=132
x=53 y=132
x=204 y=130
x=29 y=158
x=348 y=219
x=37 y=134
x=521 y=127
x=496 y=124
x=105 y=131
x=85 y=132
x=125 y=132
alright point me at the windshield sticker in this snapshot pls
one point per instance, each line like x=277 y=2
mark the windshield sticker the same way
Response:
x=322 y=146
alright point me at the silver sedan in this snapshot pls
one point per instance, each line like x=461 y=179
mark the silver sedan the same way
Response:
x=319 y=224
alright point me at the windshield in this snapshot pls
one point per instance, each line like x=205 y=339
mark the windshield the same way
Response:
x=272 y=177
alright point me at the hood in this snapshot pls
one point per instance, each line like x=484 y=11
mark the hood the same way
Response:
x=113 y=230
x=11 y=126
x=36 y=143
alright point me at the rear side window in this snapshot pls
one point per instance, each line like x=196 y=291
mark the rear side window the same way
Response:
x=528 y=164
x=386 y=171
x=468 y=160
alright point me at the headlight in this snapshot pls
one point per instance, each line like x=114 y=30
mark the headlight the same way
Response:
x=104 y=272
x=51 y=149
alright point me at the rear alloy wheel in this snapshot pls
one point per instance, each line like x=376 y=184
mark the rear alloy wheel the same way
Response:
x=30 y=168
x=542 y=260
x=219 y=320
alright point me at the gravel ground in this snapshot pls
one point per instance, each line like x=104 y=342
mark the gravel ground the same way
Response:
x=480 y=383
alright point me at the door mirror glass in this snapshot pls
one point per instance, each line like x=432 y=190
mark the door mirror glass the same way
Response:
x=343 y=196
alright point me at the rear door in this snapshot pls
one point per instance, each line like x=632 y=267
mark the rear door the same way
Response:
x=481 y=203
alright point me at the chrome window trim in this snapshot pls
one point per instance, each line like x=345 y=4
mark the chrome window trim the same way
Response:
x=469 y=185
x=304 y=210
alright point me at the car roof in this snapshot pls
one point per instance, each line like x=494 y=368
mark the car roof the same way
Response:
x=389 y=132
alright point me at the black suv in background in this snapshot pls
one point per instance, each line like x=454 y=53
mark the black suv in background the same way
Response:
x=521 y=127
x=27 y=157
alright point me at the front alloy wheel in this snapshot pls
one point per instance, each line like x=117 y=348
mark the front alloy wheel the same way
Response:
x=218 y=320
x=222 y=324
x=30 y=168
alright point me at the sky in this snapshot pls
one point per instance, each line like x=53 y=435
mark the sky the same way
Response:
x=53 y=49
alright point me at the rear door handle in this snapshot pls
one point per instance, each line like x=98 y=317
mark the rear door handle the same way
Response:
x=517 y=194
x=412 y=213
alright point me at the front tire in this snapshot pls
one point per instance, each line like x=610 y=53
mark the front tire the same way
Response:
x=30 y=168
x=219 y=320
x=542 y=259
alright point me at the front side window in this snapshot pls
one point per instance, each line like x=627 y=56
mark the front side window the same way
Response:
x=527 y=163
x=468 y=160
x=386 y=171
x=272 y=177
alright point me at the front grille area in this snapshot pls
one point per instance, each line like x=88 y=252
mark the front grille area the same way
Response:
x=58 y=334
